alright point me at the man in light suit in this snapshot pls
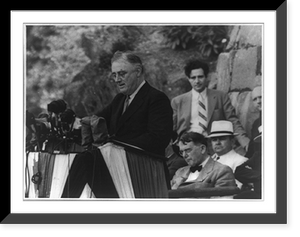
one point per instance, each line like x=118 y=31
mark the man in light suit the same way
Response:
x=202 y=177
x=217 y=105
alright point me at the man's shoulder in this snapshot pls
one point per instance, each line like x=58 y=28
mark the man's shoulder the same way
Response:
x=239 y=156
x=218 y=167
x=182 y=96
x=215 y=92
x=182 y=170
x=118 y=97
x=155 y=94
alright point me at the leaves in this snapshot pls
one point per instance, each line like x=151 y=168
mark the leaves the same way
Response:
x=208 y=39
x=55 y=55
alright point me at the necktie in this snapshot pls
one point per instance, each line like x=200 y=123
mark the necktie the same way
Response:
x=202 y=114
x=195 y=168
x=126 y=103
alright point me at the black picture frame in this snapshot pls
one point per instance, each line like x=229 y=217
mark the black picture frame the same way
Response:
x=281 y=215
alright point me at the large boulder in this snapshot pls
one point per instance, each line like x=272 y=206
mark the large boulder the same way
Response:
x=245 y=67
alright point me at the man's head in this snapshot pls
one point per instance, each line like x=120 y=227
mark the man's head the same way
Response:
x=256 y=97
x=222 y=137
x=127 y=69
x=193 y=147
x=197 y=72
x=222 y=145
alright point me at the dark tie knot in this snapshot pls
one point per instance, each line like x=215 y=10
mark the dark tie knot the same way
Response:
x=195 y=168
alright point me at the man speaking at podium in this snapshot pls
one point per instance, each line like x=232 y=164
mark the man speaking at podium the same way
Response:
x=140 y=115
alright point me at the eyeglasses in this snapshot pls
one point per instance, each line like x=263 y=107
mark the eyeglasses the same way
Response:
x=186 y=151
x=121 y=74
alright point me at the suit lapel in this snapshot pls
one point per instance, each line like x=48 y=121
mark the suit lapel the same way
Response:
x=206 y=170
x=211 y=102
x=134 y=105
x=181 y=177
x=185 y=172
x=187 y=109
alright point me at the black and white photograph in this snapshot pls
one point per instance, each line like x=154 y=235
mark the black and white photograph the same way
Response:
x=129 y=111
x=148 y=119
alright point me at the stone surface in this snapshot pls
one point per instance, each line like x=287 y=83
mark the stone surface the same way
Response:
x=246 y=112
x=224 y=72
x=244 y=68
x=250 y=35
x=212 y=80
x=243 y=36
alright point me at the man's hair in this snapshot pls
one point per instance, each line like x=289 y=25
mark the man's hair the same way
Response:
x=195 y=137
x=196 y=64
x=128 y=56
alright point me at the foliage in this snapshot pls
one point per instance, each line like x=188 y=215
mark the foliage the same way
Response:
x=209 y=40
x=56 y=54
x=59 y=56
x=53 y=58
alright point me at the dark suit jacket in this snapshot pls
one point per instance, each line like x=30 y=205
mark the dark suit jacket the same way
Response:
x=219 y=107
x=147 y=122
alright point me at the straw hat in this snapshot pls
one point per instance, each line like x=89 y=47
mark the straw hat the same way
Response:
x=221 y=128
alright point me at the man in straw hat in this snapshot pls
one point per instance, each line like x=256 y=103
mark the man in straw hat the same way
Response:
x=222 y=138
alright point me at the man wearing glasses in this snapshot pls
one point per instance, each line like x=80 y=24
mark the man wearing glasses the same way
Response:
x=202 y=176
x=140 y=114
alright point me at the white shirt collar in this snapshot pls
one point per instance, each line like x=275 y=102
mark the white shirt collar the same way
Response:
x=196 y=94
x=229 y=153
x=204 y=162
x=136 y=91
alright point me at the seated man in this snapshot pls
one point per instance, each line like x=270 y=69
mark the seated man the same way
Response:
x=202 y=177
x=222 y=139
x=250 y=171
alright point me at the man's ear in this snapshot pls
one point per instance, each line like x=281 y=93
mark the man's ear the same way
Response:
x=139 y=70
x=203 y=148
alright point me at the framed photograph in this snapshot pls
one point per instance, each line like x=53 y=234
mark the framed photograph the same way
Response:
x=254 y=45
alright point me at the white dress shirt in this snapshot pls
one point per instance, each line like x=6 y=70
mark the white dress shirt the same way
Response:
x=194 y=176
x=231 y=159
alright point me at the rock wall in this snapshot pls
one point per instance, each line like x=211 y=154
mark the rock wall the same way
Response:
x=239 y=70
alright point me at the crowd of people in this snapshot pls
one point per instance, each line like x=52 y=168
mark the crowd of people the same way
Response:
x=200 y=127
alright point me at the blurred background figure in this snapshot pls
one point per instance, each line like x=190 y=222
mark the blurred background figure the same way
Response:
x=257 y=103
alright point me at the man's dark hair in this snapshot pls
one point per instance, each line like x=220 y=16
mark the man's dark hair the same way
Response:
x=196 y=64
x=195 y=137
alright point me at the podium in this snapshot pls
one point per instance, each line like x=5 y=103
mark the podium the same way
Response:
x=112 y=170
